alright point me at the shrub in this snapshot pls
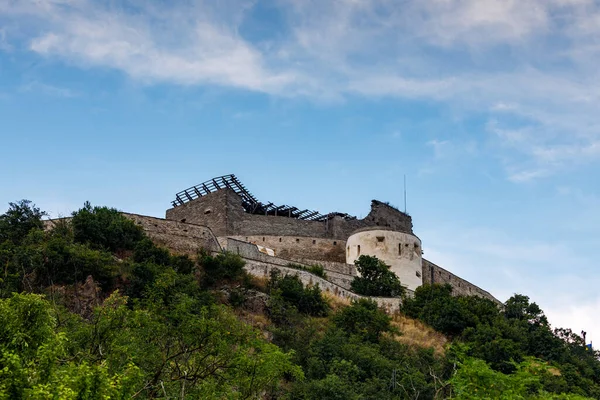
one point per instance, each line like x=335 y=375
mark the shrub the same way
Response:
x=61 y=262
x=306 y=300
x=105 y=228
x=315 y=269
x=318 y=270
x=224 y=266
x=363 y=318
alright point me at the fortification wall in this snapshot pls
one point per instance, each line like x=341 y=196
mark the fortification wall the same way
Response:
x=291 y=247
x=222 y=211
x=261 y=265
x=433 y=273
x=208 y=211
x=332 y=266
x=179 y=237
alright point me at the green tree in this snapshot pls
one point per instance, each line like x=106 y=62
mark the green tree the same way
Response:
x=19 y=220
x=35 y=362
x=376 y=278
x=363 y=318
x=225 y=266
x=105 y=228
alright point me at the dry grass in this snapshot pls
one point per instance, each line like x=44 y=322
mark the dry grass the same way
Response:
x=260 y=283
x=336 y=303
x=257 y=320
x=416 y=333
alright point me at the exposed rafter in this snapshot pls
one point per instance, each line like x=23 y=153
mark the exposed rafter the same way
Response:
x=249 y=202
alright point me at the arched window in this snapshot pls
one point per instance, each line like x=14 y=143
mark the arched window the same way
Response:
x=358 y=250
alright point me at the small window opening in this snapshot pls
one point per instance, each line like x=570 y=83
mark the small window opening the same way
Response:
x=297 y=240
x=280 y=239
x=263 y=238
x=183 y=220
x=399 y=249
x=358 y=250
x=314 y=242
x=335 y=243
x=380 y=239
x=418 y=273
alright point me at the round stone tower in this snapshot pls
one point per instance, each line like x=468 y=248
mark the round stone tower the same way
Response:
x=401 y=251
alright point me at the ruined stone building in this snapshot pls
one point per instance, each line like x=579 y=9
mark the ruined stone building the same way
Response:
x=227 y=212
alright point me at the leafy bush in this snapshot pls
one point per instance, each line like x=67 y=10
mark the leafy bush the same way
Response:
x=376 y=279
x=306 y=300
x=315 y=269
x=363 y=318
x=225 y=266
x=105 y=228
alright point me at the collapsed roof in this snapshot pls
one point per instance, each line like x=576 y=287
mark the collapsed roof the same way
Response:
x=250 y=204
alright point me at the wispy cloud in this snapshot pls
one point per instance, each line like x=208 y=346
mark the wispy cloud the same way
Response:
x=4 y=45
x=531 y=61
x=57 y=91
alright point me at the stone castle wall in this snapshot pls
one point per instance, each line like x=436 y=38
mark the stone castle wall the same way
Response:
x=322 y=249
x=433 y=273
x=223 y=212
x=211 y=211
x=182 y=238
x=261 y=265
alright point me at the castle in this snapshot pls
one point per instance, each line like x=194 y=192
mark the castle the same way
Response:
x=221 y=214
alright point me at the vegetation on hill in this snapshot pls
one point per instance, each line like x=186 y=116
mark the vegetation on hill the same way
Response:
x=92 y=309
x=376 y=279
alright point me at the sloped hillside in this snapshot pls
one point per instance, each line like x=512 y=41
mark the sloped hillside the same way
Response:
x=94 y=309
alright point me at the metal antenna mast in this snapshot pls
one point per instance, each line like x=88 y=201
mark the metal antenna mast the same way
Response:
x=404 y=193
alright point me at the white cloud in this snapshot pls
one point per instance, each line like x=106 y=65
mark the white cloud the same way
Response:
x=528 y=60
x=154 y=45
x=39 y=87
x=4 y=45
x=509 y=264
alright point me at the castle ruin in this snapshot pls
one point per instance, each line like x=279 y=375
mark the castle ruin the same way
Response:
x=240 y=222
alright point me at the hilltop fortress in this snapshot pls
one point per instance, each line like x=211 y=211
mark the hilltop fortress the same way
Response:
x=221 y=214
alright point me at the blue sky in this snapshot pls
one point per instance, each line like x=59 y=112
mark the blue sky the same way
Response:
x=488 y=107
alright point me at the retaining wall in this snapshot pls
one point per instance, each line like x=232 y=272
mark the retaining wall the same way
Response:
x=316 y=248
x=259 y=264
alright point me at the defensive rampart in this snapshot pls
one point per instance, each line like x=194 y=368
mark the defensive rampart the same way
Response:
x=223 y=212
x=260 y=264
x=433 y=273
x=182 y=238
